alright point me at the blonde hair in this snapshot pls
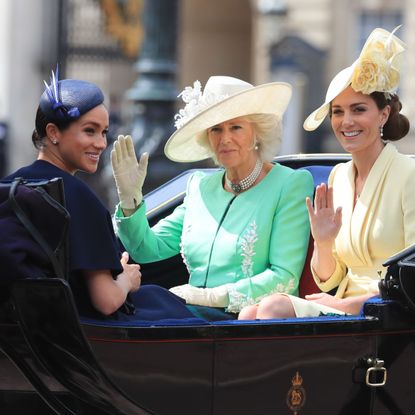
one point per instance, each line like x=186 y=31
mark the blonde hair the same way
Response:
x=267 y=131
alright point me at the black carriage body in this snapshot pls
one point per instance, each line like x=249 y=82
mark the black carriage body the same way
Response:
x=331 y=365
x=254 y=368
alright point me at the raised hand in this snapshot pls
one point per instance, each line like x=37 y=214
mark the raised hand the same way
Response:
x=325 y=222
x=129 y=174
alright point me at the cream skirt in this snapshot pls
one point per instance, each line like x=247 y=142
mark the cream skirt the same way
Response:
x=304 y=308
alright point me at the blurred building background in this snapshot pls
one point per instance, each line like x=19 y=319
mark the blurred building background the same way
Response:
x=144 y=52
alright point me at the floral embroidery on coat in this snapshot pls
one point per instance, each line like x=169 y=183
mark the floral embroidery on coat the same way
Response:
x=237 y=300
x=248 y=250
x=186 y=230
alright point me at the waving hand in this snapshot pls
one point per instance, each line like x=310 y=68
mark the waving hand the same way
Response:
x=129 y=174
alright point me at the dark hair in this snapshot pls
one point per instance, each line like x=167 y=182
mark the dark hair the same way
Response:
x=397 y=125
x=41 y=121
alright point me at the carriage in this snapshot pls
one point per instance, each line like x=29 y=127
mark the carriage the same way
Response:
x=54 y=361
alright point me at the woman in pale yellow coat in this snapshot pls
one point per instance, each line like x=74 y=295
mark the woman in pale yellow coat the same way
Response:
x=367 y=212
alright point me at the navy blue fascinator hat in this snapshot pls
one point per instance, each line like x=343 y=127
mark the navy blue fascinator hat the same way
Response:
x=68 y=99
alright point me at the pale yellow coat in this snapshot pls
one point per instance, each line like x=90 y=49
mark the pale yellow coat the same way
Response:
x=381 y=224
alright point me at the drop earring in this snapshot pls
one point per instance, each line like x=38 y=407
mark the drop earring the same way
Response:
x=255 y=146
x=55 y=141
x=381 y=131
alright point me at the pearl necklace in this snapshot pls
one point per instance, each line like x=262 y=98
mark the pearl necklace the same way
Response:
x=248 y=181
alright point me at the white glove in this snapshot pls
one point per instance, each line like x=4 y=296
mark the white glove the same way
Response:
x=210 y=297
x=129 y=175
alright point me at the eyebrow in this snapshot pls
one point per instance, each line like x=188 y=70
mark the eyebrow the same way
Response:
x=229 y=122
x=352 y=105
x=94 y=123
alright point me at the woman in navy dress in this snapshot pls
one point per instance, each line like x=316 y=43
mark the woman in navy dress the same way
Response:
x=70 y=135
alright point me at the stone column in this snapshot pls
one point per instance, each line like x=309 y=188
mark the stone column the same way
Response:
x=154 y=93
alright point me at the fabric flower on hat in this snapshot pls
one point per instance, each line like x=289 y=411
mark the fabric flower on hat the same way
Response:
x=190 y=97
x=377 y=68
x=195 y=102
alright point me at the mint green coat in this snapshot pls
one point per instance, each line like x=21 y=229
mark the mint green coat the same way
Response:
x=256 y=242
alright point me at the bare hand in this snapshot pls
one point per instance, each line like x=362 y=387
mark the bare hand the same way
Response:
x=325 y=299
x=325 y=222
x=350 y=305
x=328 y=301
x=131 y=272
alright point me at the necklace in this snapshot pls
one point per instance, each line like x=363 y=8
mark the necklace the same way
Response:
x=248 y=181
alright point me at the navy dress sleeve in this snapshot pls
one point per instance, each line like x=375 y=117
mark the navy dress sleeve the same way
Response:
x=93 y=246
x=92 y=242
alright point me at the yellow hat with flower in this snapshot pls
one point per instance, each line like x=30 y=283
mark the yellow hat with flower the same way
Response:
x=376 y=69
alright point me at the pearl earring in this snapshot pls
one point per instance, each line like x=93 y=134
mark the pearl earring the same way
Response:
x=381 y=131
x=55 y=141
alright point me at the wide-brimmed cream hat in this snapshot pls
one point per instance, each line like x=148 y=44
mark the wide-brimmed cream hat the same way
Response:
x=376 y=69
x=223 y=98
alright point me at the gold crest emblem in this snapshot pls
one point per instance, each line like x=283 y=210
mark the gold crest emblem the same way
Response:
x=296 y=396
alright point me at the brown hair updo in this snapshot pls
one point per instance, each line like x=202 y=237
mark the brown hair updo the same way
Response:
x=397 y=125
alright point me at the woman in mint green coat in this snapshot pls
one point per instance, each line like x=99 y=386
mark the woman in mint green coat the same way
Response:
x=242 y=231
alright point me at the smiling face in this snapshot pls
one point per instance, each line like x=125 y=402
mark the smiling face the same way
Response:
x=356 y=121
x=80 y=145
x=233 y=143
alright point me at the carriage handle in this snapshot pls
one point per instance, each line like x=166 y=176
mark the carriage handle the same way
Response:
x=376 y=365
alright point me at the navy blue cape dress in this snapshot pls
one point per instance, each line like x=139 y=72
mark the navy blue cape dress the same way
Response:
x=93 y=246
